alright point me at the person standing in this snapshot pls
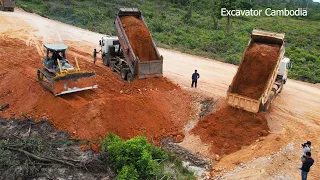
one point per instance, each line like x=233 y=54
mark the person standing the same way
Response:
x=95 y=55
x=306 y=148
x=195 y=77
x=306 y=164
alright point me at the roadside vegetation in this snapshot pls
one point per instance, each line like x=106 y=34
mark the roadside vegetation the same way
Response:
x=196 y=27
x=136 y=159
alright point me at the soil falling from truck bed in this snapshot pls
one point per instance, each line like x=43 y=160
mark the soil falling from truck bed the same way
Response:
x=258 y=64
x=228 y=129
x=139 y=38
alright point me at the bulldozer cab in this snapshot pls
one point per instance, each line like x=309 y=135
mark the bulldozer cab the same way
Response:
x=59 y=76
x=55 y=59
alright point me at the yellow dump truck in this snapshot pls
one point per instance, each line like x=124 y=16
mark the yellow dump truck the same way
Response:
x=276 y=78
x=8 y=5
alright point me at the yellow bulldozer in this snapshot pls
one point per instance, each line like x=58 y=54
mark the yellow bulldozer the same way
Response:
x=59 y=76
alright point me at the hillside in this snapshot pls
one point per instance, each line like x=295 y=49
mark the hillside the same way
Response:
x=194 y=27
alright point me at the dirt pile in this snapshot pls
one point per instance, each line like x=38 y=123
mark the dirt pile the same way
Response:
x=228 y=129
x=258 y=64
x=139 y=38
x=153 y=107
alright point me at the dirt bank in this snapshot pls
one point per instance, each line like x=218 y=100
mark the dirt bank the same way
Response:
x=259 y=62
x=154 y=107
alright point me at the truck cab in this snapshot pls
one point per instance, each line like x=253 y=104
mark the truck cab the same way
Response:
x=109 y=41
x=110 y=48
x=285 y=65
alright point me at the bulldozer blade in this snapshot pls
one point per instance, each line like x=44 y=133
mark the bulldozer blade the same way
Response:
x=70 y=83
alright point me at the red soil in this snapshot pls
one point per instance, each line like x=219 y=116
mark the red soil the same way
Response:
x=259 y=62
x=153 y=107
x=228 y=129
x=139 y=38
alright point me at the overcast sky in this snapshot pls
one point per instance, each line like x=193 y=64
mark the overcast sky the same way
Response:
x=316 y=0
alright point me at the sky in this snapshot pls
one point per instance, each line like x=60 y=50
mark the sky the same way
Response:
x=316 y=0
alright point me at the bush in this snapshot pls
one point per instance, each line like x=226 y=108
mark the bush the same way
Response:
x=234 y=59
x=135 y=158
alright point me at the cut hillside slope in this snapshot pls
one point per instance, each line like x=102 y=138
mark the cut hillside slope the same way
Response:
x=152 y=107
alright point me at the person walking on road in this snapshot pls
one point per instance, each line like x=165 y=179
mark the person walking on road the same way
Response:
x=95 y=55
x=306 y=164
x=195 y=77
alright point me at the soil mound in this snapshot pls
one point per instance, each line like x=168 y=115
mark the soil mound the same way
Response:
x=153 y=107
x=139 y=38
x=259 y=62
x=228 y=129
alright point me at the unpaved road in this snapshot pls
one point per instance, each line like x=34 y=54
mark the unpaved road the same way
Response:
x=293 y=118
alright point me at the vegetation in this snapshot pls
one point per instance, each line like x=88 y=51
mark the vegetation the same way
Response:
x=197 y=27
x=138 y=159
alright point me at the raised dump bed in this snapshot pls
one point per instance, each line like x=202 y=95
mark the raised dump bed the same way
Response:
x=251 y=87
x=7 y=5
x=140 y=52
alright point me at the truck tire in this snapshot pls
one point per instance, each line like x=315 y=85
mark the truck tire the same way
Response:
x=124 y=74
x=112 y=64
x=266 y=106
x=129 y=77
x=106 y=59
x=281 y=87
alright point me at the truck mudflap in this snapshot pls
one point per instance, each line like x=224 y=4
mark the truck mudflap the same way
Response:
x=150 y=69
x=242 y=102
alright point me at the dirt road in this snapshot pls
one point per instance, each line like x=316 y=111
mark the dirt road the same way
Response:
x=293 y=118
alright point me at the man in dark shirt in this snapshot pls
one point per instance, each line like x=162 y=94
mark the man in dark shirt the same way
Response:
x=306 y=164
x=95 y=55
x=195 y=77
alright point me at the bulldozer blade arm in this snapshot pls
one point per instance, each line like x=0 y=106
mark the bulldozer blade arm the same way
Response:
x=75 y=82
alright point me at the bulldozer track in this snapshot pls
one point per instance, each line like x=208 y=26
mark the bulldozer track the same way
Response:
x=45 y=79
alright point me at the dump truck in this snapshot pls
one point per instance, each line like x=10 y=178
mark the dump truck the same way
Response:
x=118 y=54
x=59 y=76
x=275 y=78
x=7 y=5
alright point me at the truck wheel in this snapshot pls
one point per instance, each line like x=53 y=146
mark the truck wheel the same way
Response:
x=281 y=87
x=112 y=64
x=129 y=77
x=123 y=74
x=266 y=106
x=105 y=61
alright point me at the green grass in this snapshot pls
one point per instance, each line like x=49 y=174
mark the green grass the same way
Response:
x=196 y=35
